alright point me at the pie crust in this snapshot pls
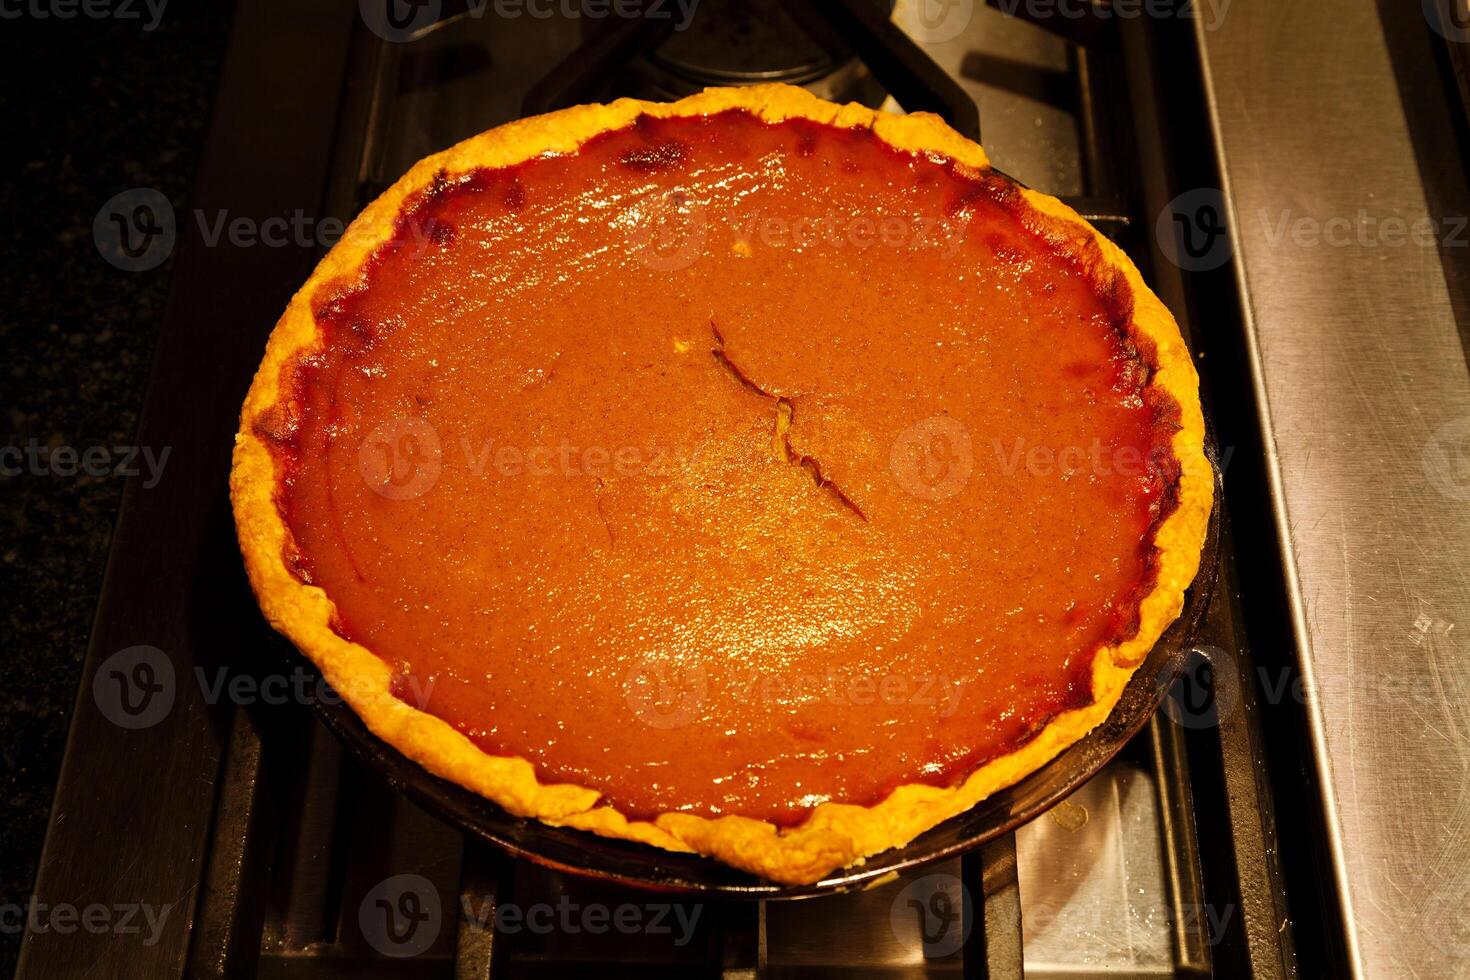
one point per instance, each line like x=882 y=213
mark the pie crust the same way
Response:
x=834 y=835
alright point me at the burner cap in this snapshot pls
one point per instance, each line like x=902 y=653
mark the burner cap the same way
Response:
x=745 y=41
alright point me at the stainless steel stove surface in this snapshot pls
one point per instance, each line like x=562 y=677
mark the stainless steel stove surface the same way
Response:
x=1270 y=822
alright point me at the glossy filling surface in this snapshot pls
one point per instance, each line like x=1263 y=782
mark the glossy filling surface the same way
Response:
x=728 y=467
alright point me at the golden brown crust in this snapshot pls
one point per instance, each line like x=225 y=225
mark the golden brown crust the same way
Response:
x=836 y=834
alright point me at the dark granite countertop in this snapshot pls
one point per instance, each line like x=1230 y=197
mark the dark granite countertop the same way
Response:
x=89 y=107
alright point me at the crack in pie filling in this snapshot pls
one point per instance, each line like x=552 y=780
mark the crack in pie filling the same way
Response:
x=746 y=475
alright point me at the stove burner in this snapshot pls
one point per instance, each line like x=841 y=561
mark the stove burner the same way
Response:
x=839 y=50
x=744 y=42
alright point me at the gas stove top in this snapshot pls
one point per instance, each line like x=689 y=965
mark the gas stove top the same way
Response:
x=1232 y=838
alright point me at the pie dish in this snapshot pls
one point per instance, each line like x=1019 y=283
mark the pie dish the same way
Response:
x=746 y=475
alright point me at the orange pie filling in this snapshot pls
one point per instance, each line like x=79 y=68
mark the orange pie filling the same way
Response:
x=729 y=467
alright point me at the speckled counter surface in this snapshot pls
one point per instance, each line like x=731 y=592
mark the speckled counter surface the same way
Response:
x=88 y=108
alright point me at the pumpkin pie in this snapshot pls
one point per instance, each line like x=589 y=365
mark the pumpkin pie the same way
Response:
x=746 y=475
